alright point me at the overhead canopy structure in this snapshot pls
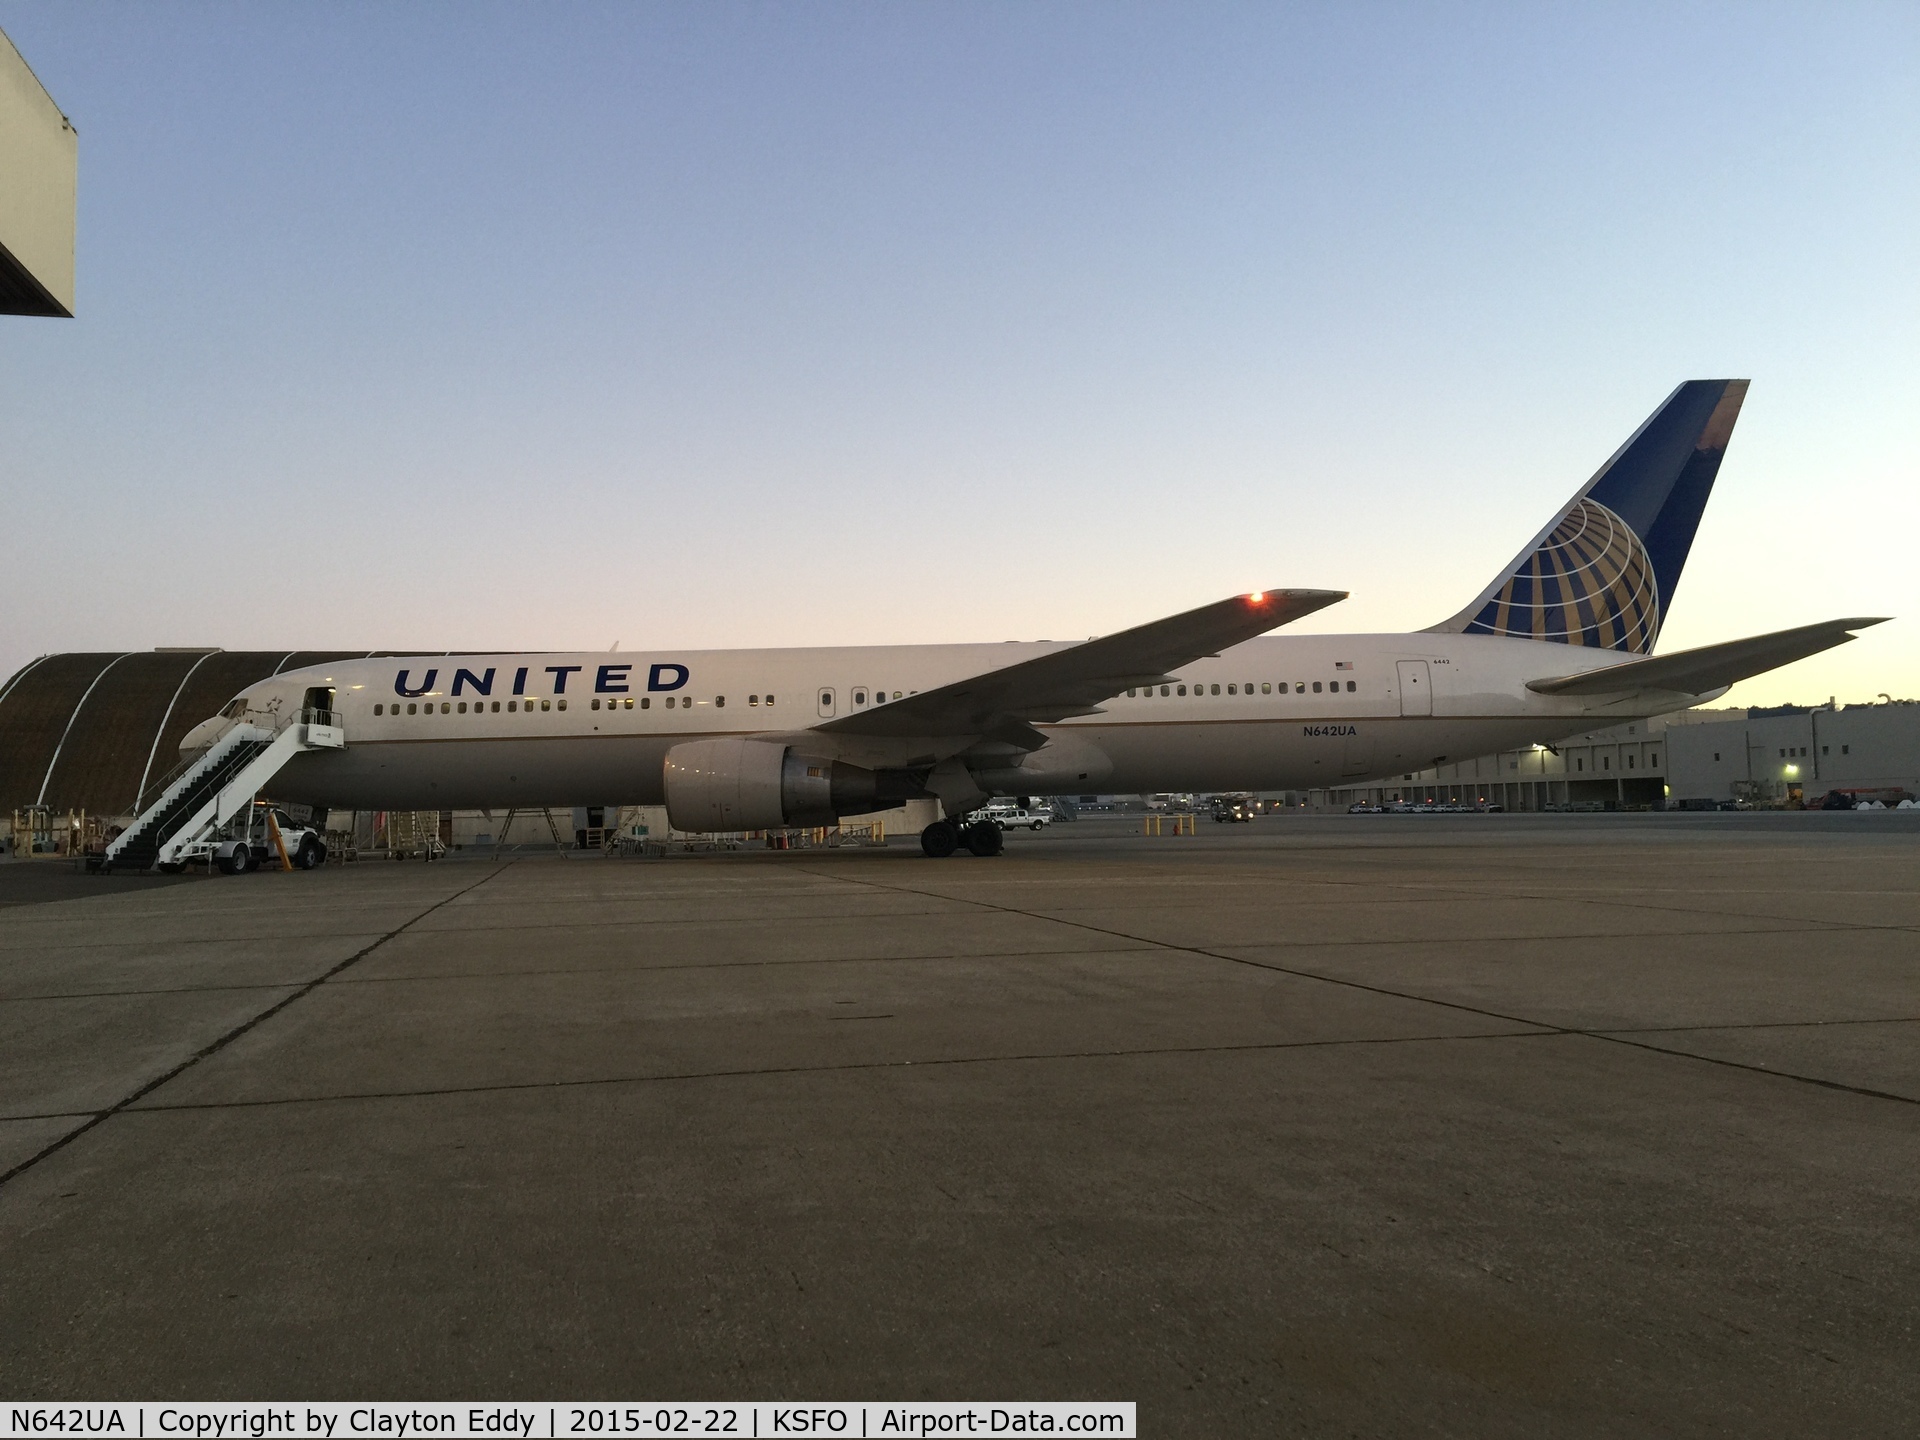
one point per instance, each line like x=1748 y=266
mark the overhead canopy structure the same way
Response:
x=39 y=170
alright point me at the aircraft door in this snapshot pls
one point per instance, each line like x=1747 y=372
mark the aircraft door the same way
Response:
x=1416 y=688
x=826 y=702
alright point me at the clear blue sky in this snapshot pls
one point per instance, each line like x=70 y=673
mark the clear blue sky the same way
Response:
x=556 y=325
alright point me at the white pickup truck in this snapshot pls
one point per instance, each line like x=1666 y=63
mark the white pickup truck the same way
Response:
x=249 y=845
x=1015 y=817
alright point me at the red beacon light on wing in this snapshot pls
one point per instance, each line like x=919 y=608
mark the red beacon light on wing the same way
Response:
x=1256 y=597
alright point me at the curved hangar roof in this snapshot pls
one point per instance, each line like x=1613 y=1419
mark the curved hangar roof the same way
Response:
x=95 y=731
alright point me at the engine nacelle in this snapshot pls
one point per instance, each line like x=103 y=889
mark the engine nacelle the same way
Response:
x=753 y=785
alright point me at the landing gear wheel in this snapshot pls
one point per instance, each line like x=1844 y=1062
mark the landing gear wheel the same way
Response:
x=986 y=839
x=939 y=840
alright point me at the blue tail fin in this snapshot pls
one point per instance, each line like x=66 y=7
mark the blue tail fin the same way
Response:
x=1603 y=573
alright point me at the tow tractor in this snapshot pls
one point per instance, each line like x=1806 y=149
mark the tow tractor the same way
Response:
x=258 y=835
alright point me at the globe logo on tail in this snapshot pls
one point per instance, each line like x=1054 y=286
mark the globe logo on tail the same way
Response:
x=1588 y=583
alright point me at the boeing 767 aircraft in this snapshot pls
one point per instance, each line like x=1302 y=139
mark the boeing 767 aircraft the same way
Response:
x=1560 y=641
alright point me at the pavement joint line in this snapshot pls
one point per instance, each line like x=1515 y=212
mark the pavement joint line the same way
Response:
x=1756 y=1025
x=747 y=1073
x=100 y=1117
x=1611 y=1038
x=129 y=994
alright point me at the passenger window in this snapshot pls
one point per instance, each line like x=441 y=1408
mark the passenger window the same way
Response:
x=410 y=708
x=546 y=704
x=562 y=704
x=1163 y=691
x=1316 y=687
x=463 y=707
x=859 y=697
x=629 y=704
x=1216 y=689
x=377 y=710
x=719 y=702
x=1352 y=686
x=753 y=699
x=496 y=707
x=593 y=704
x=1182 y=689
x=1130 y=694
x=446 y=707
x=646 y=702
x=1300 y=687
x=1266 y=688
x=769 y=699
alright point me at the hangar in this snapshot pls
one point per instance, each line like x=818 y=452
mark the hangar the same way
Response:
x=94 y=731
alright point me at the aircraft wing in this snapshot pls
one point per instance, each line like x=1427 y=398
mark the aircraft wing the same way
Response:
x=1074 y=681
x=1711 y=667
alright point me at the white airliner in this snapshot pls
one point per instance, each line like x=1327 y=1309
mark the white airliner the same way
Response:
x=735 y=740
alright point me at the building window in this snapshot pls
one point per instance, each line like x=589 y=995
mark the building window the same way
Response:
x=1846 y=749
x=1826 y=749
x=1716 y=757
x=1653 y=759
x=1606 y=762
x=1629 y=762
x=1579 y=764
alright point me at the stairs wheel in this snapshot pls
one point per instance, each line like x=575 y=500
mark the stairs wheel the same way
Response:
x=170 y=867
x=939 y=840
x=986 y=839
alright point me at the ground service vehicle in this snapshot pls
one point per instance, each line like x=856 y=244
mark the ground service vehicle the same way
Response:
x=247 y=843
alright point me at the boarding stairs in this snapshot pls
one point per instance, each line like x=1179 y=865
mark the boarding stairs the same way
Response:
x=210 y=788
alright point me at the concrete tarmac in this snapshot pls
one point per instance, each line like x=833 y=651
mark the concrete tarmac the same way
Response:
x=1375 y=1125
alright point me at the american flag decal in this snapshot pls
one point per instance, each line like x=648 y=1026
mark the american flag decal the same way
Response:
x=1343 y=664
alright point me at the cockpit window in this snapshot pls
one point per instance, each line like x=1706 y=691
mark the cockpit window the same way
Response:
x=236 y=709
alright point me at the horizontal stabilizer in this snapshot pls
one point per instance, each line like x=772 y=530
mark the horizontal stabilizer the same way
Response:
x=1711 y=667
x=1075 y=680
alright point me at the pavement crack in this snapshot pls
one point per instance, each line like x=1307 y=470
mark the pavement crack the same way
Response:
x=1539 y=1027
x=214 y=1047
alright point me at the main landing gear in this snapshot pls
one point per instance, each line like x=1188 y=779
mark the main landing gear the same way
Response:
x=943 y=837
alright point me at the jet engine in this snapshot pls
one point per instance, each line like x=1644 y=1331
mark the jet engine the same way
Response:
x=755 y=785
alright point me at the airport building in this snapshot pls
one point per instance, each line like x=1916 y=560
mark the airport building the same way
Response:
x=1787 y=755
